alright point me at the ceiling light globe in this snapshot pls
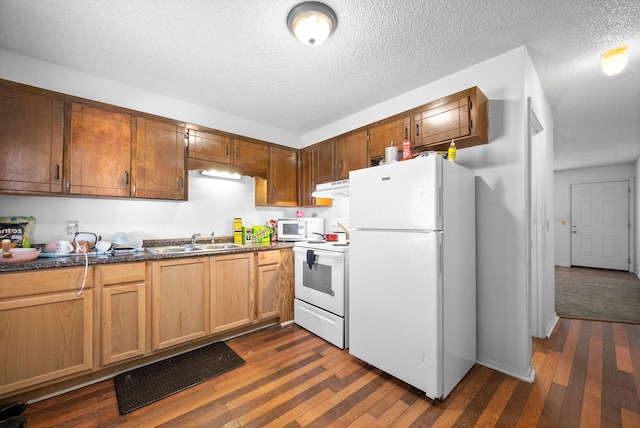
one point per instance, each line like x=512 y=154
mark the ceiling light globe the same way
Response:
x=312 y=22
x=614 y=60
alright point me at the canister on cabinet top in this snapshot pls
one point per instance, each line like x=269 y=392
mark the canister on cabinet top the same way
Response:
x=237 y=237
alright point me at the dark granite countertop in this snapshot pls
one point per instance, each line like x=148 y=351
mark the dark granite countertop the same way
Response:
x=75 y=261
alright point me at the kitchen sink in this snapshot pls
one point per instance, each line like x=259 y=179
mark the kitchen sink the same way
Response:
x=188 y=248
x=173 y=249
x=216 y=247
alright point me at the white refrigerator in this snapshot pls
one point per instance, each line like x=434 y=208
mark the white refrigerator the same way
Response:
x=413 y=271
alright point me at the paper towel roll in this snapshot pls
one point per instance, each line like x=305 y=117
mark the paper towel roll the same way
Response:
x=391 y=154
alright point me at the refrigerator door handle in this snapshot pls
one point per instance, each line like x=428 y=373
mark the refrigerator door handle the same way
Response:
x=441 y=261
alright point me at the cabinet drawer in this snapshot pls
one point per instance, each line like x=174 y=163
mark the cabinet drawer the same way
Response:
x=120 y=272
x=48 y=281
x=268 y=257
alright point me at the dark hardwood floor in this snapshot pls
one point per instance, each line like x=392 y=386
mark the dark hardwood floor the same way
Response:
x=588 y=374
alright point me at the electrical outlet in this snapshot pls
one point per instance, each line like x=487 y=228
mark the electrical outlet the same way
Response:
x=72 y=227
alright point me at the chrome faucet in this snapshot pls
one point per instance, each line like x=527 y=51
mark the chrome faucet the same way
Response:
x=193 y=238
x=212 y=237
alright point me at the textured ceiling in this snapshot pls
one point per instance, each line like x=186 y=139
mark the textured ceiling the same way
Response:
x=238 y=57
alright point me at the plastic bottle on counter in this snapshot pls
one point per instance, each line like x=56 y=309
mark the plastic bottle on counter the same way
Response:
x=451 y=154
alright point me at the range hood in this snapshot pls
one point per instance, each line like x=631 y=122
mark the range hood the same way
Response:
x=332 y=189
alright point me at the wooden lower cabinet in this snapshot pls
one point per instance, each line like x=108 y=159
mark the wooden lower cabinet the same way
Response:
x=231 y=280
x=180 y=301
x=268 y=285
x=127 y=311
x=123 y=316
x=44 y=337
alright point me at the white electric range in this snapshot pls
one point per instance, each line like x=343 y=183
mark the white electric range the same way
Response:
x=321 y=302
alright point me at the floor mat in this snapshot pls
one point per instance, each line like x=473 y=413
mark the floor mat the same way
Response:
x=145 y=385
x=595 y=294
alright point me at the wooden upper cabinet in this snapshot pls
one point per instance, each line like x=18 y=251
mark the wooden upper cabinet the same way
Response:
x=352 y=154
x=308 y=178
x=99 y=152
x=461 y=117
x=229 y=153
x=325 y=161
x=31 y=139
x=250 y=154
x=281 y=186
x=381 y=136
x=159 y=169
x=305 y=177
x=210 y=147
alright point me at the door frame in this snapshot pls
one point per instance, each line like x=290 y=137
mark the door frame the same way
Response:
x=537 y=229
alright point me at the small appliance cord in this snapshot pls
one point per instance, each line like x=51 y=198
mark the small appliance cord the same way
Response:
x=86 y=267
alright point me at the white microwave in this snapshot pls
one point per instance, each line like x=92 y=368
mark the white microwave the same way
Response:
x=300 y=229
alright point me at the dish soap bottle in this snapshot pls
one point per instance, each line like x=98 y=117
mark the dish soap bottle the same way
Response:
x=451 y=154
x=26 y=242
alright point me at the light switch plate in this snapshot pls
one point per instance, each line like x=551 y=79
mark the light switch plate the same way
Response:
x=73 y=226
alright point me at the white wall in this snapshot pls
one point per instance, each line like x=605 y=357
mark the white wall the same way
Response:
x=637 y=220
x=562 y=194
x=503 y=330
x=542 y=287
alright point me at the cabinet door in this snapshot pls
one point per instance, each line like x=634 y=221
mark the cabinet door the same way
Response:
x=462 y=116
x=306 y=177
x=100 y=152
x=231 y=279
x=268 y=292
x=180 y=301
x=381 y=137
x=249 y=154
x=31 y=142
x=281 y=186
x=159 y=171
x=325 y=161
x=209 y=146
x=352 y=154
x=307 y=180
x=45 y=337
x=443 y=122
x=123 y=315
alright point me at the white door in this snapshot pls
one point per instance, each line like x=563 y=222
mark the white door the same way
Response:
x=395 y=310
x=600 y=225
x=401 y=195
x=319 y=278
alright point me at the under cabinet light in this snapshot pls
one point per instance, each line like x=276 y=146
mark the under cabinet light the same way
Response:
x=221 y=174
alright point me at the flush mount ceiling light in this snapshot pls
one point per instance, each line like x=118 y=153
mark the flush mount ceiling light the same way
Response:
x=221 y=174
x=614 y=60
x=312 y=22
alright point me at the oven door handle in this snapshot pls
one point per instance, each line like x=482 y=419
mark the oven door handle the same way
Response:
x=320 y=253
